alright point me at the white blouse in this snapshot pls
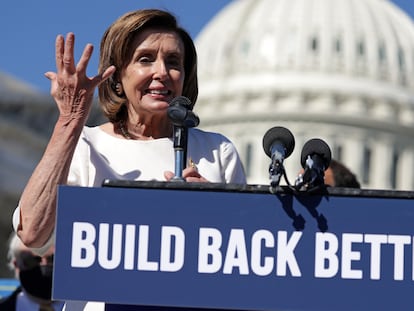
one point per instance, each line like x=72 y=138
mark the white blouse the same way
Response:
x=100 y=156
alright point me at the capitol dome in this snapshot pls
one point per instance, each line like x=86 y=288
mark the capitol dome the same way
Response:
x=340 y=70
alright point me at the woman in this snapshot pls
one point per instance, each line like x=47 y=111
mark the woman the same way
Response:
x=146 y=60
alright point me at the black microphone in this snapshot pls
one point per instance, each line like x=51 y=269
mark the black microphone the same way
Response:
x=278 y=144
x=315 y=159
x=180 y=113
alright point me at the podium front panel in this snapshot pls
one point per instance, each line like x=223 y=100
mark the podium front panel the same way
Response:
x=236 y=250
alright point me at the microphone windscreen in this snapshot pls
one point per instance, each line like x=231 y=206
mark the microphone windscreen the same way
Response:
x=316 y=146
x=181 y=101
x=179 y=112
x=278 y=134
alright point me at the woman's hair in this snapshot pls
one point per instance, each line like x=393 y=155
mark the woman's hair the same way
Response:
x=116 y=50
x=343 y=177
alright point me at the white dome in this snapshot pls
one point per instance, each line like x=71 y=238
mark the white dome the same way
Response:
x=364 y=39
x=337 y=69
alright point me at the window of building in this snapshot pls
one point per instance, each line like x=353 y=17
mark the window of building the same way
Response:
x=337 y=152
x=338 y=46
x=366 y=164
x=361 y=57
x=248 y=159
x=382 y=61
x=394 y=169
x=314 y=44
x=361 y=48
x=245 y=47
x=401 y=59
x=402 y=64
x=382 y=53
x=338 y=51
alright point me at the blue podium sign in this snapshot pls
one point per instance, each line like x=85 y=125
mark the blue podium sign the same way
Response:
x=239 y=250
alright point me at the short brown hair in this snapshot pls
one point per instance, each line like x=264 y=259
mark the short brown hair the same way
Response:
x=115 y=49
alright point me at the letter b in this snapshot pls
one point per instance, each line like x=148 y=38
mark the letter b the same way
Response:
x=209 y=247
x=326 y=255
x=83 y=250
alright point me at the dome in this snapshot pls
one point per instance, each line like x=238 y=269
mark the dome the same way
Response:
x=363 y=39
x=342 y=70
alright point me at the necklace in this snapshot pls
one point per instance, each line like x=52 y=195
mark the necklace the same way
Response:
x=123 y=130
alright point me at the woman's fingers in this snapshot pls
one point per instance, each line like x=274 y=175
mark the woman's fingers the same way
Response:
x=189 y=174
x=68 y=53
x=53 y=81
x=64 y=53
x=65 y=60
x=98 y=79
x=196 y=179
x=50 y=75
x=108 y=72
x=59 y=50
x=84 y=60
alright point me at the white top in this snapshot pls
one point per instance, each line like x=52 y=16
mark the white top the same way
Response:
x=99 y=156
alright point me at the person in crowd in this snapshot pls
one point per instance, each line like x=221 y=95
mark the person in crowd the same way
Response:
x=338 y=175
x=35 y=276
x=146 y=60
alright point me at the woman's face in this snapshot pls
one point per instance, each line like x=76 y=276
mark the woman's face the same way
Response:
x=155 y=72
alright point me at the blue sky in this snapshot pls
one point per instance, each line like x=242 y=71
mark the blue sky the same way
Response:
x=28 y=28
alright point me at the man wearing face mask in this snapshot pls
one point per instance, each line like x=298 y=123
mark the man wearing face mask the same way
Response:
x=35 y=276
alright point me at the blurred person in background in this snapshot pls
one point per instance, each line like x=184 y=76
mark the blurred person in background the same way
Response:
x=338 y=175
x=35 y=276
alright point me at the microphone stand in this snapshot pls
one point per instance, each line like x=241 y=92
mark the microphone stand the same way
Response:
x=313 y=175
x=180 y=151
x=276 y=171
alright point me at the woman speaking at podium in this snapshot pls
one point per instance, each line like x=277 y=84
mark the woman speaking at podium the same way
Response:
x=146 y=60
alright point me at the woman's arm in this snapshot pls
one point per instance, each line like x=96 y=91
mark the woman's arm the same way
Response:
x=73 y=92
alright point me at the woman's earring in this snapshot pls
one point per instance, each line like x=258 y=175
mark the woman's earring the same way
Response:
x=119 y=89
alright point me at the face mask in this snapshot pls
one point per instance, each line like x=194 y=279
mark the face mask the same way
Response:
x=37 y=281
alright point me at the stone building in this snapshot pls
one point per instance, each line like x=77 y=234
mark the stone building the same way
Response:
x=339 y=70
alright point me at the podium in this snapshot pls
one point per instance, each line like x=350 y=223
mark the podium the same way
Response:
x=234 y=247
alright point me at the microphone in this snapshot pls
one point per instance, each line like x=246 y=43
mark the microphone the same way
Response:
x=315 y=159
x=278 y=144
x=181 y=115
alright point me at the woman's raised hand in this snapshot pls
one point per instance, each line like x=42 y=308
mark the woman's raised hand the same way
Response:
x=71 y=88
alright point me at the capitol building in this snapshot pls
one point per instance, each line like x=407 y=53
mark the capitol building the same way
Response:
x=339 y=70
